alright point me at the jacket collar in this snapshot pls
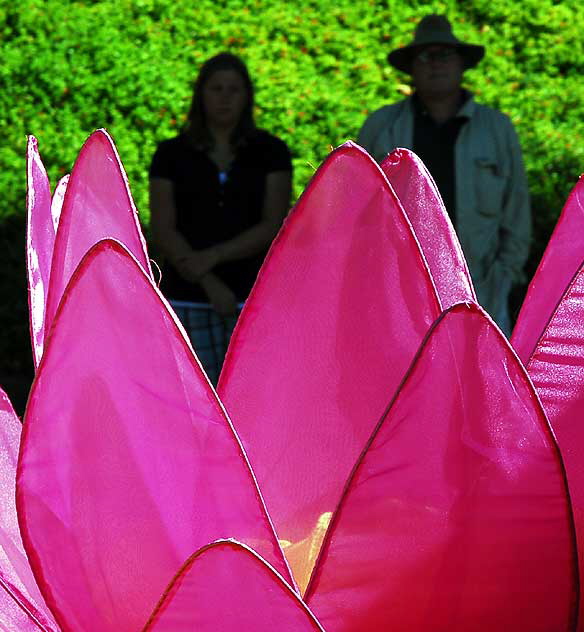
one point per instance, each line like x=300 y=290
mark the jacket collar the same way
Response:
x=466 y=110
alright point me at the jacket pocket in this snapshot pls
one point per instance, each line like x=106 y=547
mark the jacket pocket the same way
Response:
x=490 y=186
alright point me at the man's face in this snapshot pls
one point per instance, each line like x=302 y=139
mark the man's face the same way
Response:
x=437 y=71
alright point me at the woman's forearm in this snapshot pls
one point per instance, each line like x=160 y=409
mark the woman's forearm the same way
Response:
x=248 y=243
x=256 y=238
x=172 y=244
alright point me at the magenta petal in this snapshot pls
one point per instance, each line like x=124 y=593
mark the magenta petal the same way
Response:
x=423 y=205
x=557 y=370
x=97 y=205
x=560 y=262
x=58 y=199
x=336 y=316
x=39 y=247
x=457 y=517
x=227 y=587
x=21 y=605
x=128 y=462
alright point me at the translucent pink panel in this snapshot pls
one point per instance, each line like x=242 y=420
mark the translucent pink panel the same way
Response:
x=423 y=205
x=97 y=205
x=128 y=463
x=58 y=199
x=21 y=605
x=457 y=517
x=39 y=247
x=227 y=587
x=557 y=370
x=561 y=260
x=337 y=313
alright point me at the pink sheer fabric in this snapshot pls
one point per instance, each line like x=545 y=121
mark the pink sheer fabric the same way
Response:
x=454 y=516
x=336 y=315
x=227 y=587
x=423 y=205
x=21 y=606
x=562 y=258
x=457 y=516
x=39 y=247
x=97 y=205
x=557 y=370
x=58 y=199
x=128 y=463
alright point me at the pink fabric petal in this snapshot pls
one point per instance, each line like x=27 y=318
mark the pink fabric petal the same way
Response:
x=457 y=516
x=128 y=462
x=58 y=199
x=336 y=315
x=423 y=205
x=16 y=613
x=557 y=370
x=21 y=605
x=97 y=205
x=228 y=587
x=39 y=247
x=561 y=260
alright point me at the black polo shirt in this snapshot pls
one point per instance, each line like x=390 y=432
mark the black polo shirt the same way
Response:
x=434 y=143
x=213 y=206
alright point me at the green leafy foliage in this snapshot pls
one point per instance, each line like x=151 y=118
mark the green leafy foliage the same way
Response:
x=319 y=67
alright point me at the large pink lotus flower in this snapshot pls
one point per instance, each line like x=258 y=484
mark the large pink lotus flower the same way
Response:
x=404 y=459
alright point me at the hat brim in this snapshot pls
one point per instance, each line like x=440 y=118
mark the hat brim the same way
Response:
x=401 y=58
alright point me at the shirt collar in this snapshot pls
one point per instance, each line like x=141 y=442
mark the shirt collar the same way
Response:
x=466 y=109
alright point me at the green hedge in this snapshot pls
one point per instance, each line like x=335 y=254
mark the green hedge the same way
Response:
x=319 y=68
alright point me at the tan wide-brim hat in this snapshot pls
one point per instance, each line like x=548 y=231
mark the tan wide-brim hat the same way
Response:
x=435 y=29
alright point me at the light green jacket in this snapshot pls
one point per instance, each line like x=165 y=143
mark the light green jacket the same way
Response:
x=493 y=217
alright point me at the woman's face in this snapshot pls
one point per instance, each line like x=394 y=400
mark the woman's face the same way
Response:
x=224 y=98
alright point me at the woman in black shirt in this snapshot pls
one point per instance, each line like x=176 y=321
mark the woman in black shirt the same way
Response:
x=218 y=193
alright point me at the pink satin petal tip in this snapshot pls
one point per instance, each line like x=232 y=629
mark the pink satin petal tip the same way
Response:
x=422 y=203
x=561 y=260
x=93 y=204
x=226 y=586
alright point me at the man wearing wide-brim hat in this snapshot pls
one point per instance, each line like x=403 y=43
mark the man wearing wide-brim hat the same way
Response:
x=472 y=152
